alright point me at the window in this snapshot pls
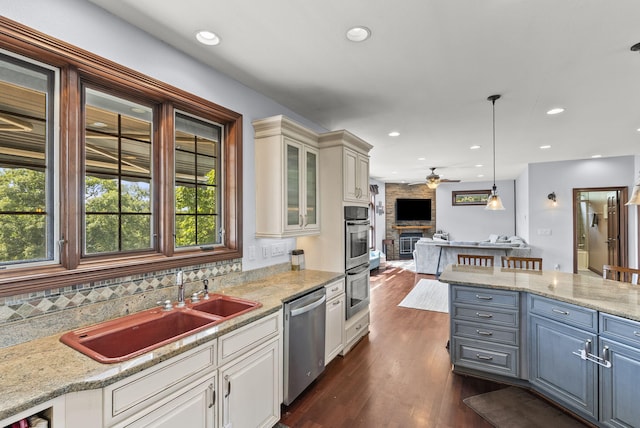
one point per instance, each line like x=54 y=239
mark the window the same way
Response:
x=27 y=192
x=197 y=155
x=118 y=175
x=105 y=172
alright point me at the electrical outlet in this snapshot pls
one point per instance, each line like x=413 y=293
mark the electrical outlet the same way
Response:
x=265 y=252
x=278 y=249
x=251 y=252
x=544 y=232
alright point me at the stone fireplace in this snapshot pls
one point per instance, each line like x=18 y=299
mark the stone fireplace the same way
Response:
x=406 y=233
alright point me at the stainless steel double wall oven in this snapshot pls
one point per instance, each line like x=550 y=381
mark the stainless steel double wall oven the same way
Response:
x=357 y=258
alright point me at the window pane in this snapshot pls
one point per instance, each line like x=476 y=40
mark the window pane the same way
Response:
x=26 y=171
x=118 y=174
x=197 y=153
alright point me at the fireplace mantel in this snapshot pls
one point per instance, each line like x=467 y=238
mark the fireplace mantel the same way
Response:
x=410 y=227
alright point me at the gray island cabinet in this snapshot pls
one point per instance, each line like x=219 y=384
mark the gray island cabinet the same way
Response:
x=572 y=338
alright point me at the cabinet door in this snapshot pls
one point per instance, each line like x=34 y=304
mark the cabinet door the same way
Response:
x=193 y=407
x=334 y=328
x=293 y=184
x=619 y=385
x=250 y=388
x=311 y=194
x=556 y=371
x=363 y=178
x=350 y=181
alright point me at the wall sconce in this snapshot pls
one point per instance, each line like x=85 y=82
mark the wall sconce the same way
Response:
x=552 y=197
x=379 y=208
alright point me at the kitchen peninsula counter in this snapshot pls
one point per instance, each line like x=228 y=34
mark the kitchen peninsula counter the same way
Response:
x=612 y=297
x=43 y=369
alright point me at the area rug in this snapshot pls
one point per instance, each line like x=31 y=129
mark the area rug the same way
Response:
x=408 y=264
x=428 y=295
x=516 y=408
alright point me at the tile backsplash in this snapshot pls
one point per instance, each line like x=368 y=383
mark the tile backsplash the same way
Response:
x=28 y=316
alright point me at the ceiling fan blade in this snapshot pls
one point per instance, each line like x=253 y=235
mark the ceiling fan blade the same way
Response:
x=445 y=180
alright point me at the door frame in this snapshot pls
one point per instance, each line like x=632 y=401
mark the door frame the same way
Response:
x=622 y=214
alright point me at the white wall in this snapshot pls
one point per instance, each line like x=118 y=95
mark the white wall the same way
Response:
x=89 y=27
x=562 y=178
x=522 y=205
x=474 y=223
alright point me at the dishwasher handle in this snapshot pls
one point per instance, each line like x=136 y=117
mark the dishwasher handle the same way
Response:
x=309 y=307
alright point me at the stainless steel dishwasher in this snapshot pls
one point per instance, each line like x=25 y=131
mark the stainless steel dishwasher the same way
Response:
x=304 y=327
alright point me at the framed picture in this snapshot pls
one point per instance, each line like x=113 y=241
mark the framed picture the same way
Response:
x=470 y=197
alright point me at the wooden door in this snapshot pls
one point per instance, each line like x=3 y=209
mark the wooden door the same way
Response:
x=613 y=230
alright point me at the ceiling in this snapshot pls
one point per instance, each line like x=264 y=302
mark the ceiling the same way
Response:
x=426 y=72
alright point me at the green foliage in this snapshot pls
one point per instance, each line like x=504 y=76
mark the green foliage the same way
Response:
x=197 y=214
x=22 y=219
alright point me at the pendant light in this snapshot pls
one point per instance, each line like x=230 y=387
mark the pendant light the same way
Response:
x=494 y=203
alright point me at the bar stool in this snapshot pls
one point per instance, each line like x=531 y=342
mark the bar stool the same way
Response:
x=386 y=244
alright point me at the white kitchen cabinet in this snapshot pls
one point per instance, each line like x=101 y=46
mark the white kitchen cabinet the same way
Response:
x=52 y=410
x=193 y=406
x=250 y=388
x=356 y=176
x=287 y=185
x=356 y=328
x=335 y=320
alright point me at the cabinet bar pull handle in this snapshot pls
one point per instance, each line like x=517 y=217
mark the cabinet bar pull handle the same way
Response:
x=484 y=357
x=336 y=303
x=484 y=333
x=301 y=221
x=605 y=355
x=484 y=297
x=213 y=396
x=228 y=386
x=558 y=311
x=481 y=315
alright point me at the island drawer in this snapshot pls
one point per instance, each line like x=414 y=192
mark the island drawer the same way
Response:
x=565 y=312
x=482 y=331
x=620 y=329
x=486 y=315
x=485 y=296
x=488 y=357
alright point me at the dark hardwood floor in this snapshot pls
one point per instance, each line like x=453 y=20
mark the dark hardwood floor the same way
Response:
x=397 y=376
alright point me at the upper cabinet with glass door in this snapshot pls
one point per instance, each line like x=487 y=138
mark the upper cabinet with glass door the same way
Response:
x=286 y=165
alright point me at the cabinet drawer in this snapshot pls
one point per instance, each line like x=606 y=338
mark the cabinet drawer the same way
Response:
x=621 y=329
x=488 y=357
x=334 y=289
x=486 y=315
x=564 y=312
x=145 y=388
x=245 y=338
x=490 y=333
x=356 y=328
x=485 y=296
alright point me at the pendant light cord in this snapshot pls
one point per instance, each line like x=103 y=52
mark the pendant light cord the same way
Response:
x=493 y=99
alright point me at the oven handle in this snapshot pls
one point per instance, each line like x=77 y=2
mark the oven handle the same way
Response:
x=359 y=271
x=358 y=222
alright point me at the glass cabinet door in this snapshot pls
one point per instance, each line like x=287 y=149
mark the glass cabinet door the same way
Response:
x=311 y=170
x=293 y=184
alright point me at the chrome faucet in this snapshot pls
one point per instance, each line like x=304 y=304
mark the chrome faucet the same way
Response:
x=180 y=283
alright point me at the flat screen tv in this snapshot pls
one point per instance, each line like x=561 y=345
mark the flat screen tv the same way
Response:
x=413 y=209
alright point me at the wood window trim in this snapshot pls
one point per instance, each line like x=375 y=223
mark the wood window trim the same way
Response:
x=79 y=66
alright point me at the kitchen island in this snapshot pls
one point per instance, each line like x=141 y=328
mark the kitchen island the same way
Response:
x=573 y=338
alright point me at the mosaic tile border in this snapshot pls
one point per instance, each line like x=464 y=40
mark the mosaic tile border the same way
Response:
x=24 y=306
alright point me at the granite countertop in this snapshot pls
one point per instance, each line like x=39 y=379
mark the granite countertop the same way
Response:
x=612 y=297
x=42 y=369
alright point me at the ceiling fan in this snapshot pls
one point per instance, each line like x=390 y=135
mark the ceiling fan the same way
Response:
x=433 y=180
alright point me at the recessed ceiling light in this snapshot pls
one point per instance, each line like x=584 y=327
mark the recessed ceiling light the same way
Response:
x=394 y=172
x=545 y=147
x=596 y=156
x=421 y=158
x=207 y=38
x=394 y=134
x=474 y=147
x=638 y=129
x=480 y=175
x=479 y=165
x=556 y=110
x=358 y=34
